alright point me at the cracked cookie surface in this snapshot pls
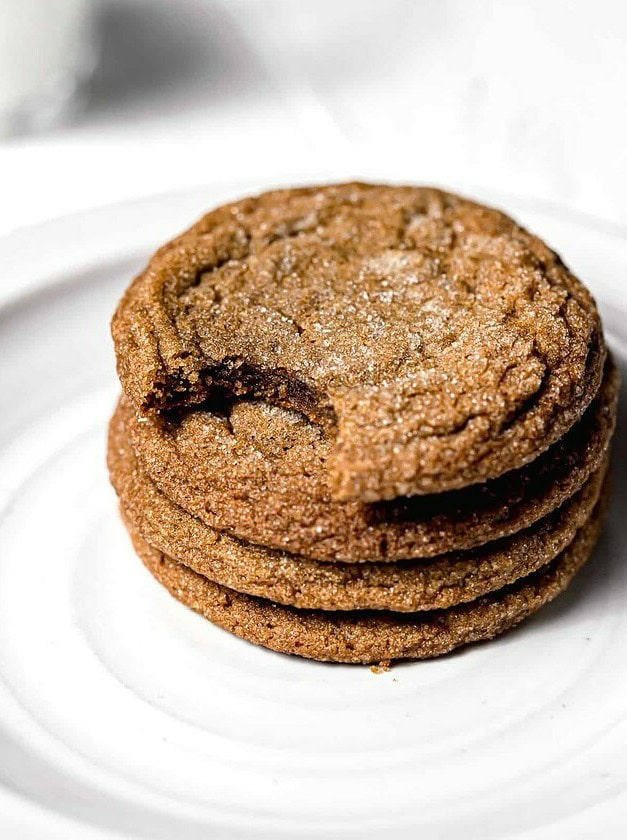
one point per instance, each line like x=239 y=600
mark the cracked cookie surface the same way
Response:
x=437 y=342
x=260 y=473
x=405 y=586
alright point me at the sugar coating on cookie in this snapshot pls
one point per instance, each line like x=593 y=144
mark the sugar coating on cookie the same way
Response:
x=436 y=342
x=372 y=637
x=260 y=473
x=298 y=581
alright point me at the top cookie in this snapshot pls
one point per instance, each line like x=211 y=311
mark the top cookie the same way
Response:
x=438 y=342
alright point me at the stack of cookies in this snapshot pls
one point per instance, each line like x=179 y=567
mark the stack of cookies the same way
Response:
x=361 y=423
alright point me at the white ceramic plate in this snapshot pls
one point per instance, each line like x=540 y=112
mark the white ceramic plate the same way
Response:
x=122 y=714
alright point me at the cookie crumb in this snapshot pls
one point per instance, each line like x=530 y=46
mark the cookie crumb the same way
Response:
x=382 y=667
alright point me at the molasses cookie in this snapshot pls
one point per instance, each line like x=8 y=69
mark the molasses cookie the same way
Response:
x=435 y=342
x=371 y=637
x=260 y=473
x=405 y=586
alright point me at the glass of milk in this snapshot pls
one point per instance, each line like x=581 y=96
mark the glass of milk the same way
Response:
x=47 y=52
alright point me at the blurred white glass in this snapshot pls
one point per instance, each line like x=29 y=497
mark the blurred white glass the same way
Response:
x=48 y=50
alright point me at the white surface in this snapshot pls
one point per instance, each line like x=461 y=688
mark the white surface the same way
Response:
x=521 y=96
x=122 y=714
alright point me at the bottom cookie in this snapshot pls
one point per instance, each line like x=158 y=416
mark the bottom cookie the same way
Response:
x=371 y=637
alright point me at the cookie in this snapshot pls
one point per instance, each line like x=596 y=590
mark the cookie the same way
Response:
x=438 y=343
x=370 y=637
x=260 y=473
x=297 y=581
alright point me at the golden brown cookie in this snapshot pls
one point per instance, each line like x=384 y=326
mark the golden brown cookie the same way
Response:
x=290 y=579
x=438 y=343
x=260 y=473
x=370 y=637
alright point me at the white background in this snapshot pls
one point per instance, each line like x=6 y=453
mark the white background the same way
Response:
x=525 y=97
